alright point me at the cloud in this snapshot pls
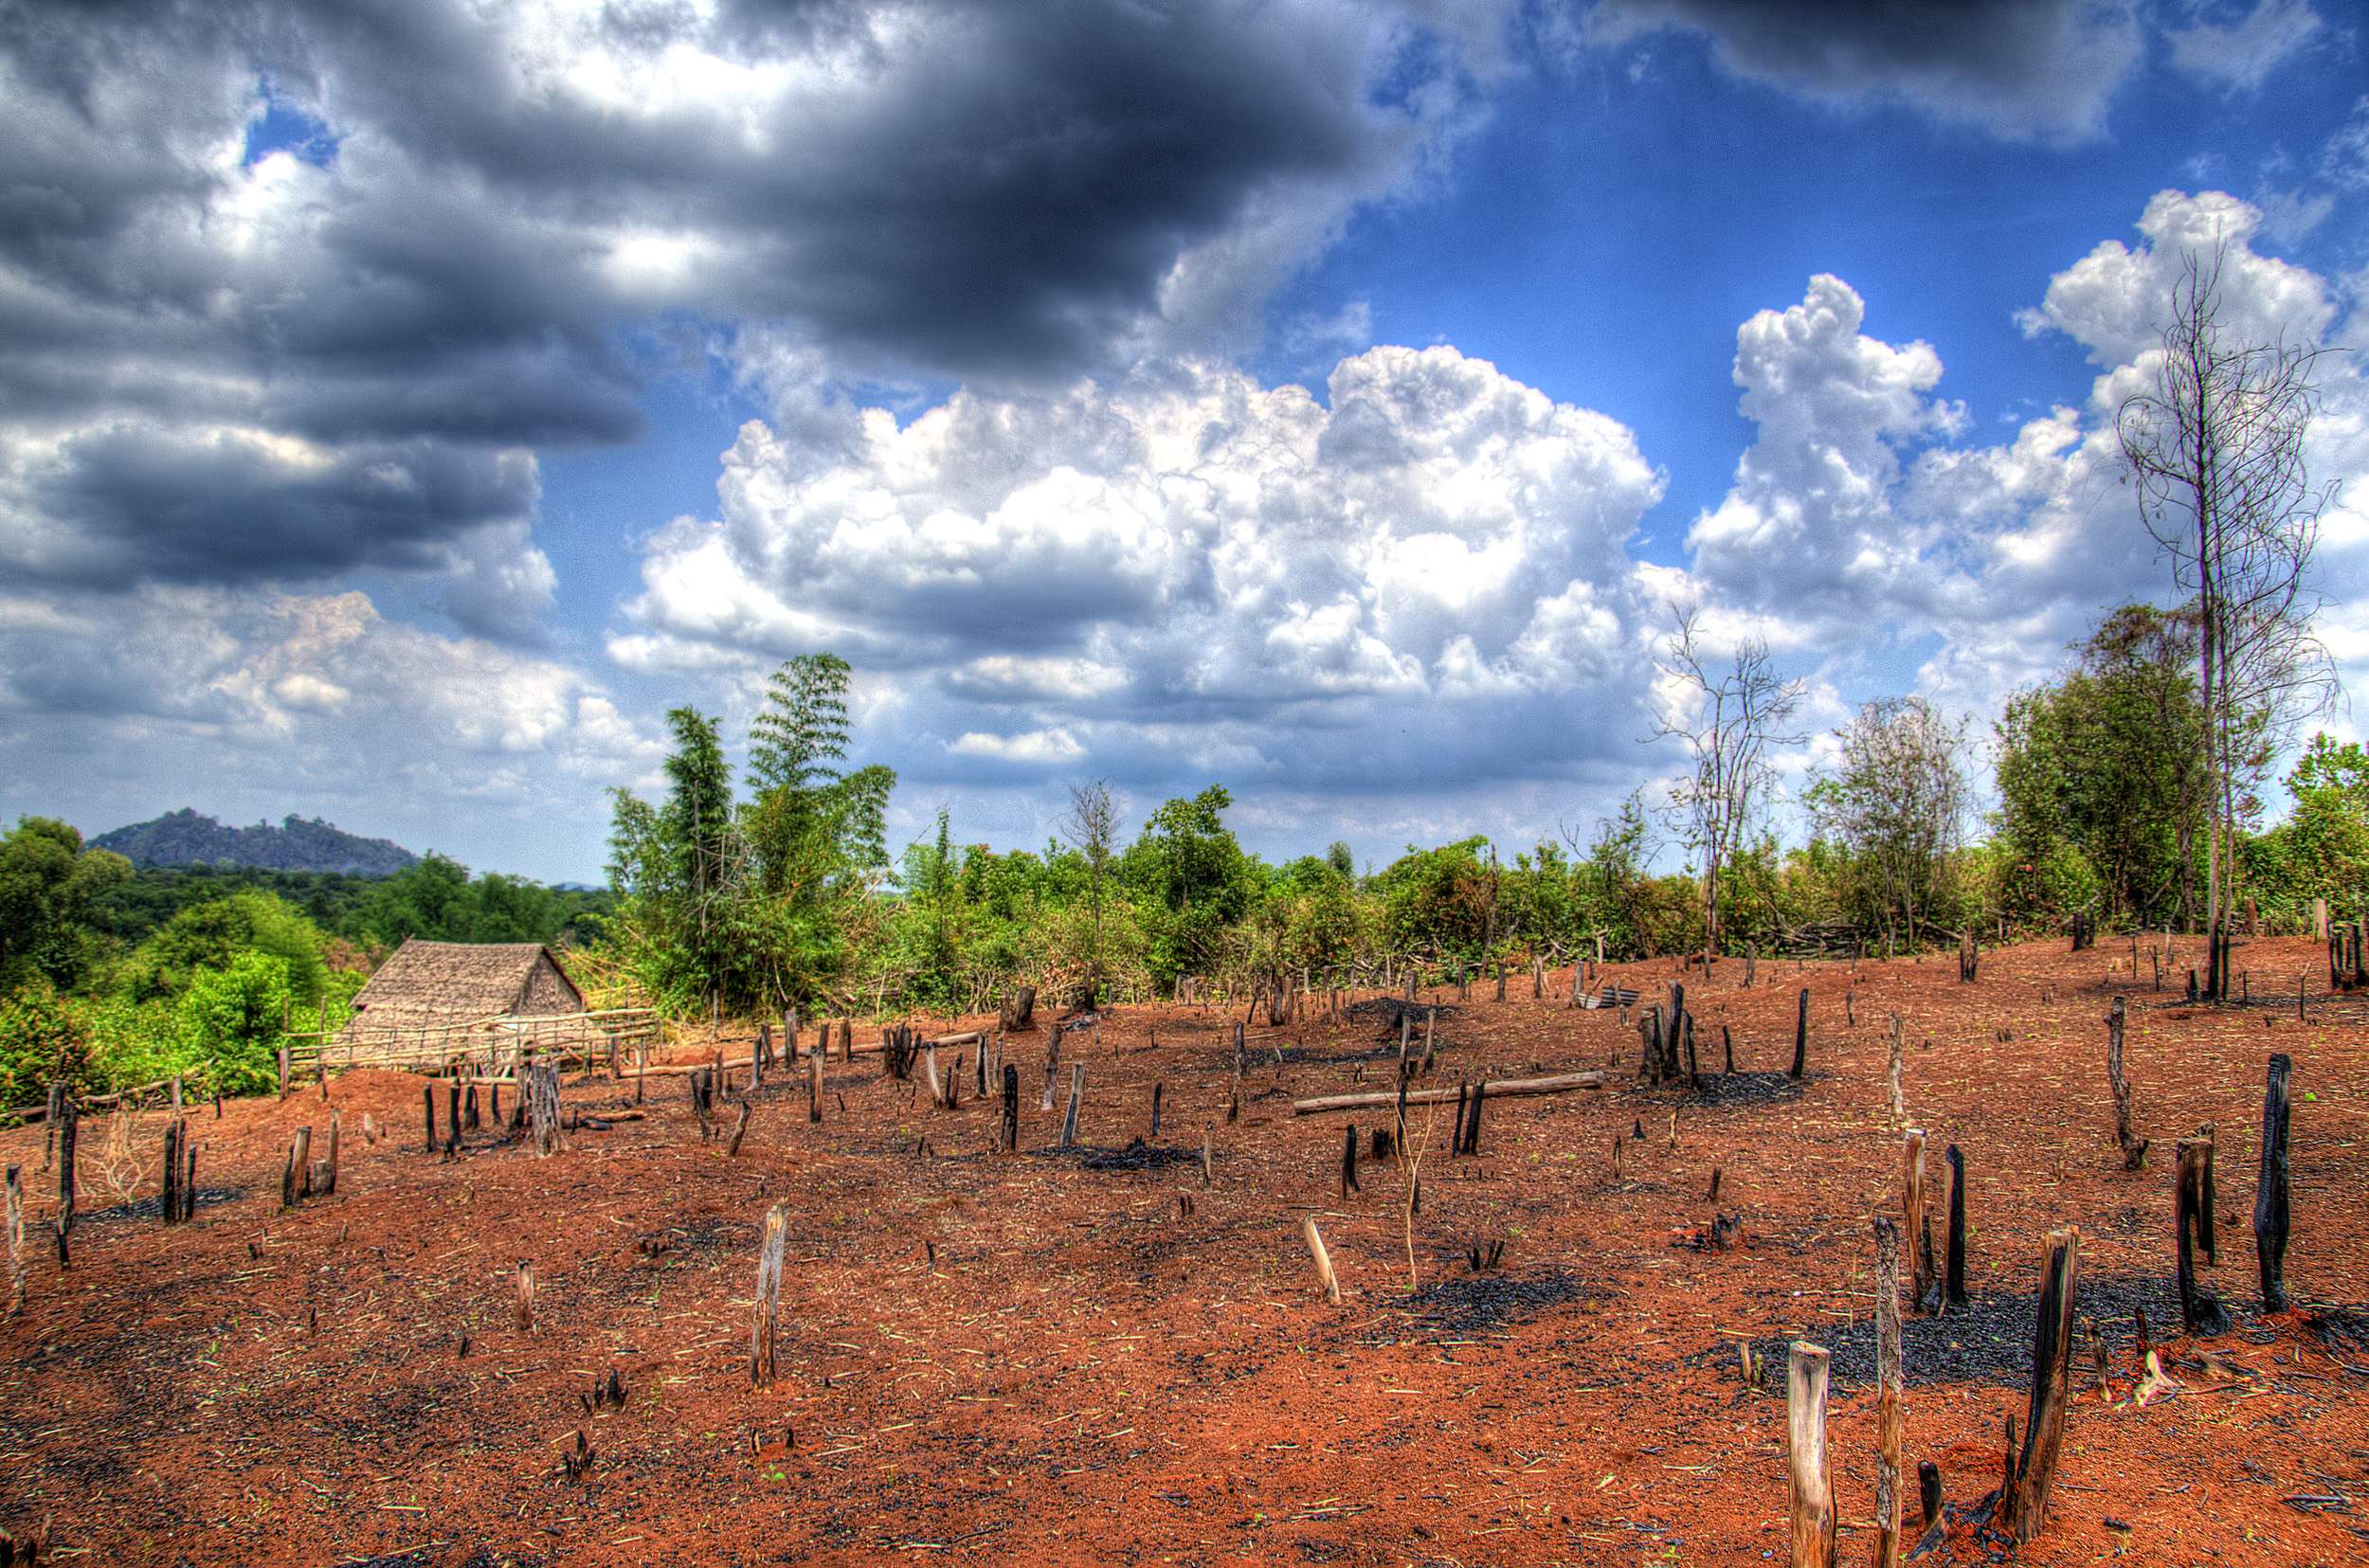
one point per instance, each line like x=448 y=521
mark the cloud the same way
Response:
x=289 y=288
x=230 y=701
x=2042 y=70
x=1184 y=569
x=1856 y=532
x=2239 y=56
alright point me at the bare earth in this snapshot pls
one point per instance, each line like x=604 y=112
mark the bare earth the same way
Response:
x=1088 y=1375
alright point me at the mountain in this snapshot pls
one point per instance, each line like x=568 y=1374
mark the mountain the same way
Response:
x=180 y=837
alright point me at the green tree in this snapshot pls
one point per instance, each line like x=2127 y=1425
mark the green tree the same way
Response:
x=2106 y=768
x=44 y=1038
x=1895 y=805
x=1192 y=876
x=233 y=1016
x=49 y=884
x=814 y=828
x=213 y=935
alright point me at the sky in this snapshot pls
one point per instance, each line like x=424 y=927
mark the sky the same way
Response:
x=405 y=404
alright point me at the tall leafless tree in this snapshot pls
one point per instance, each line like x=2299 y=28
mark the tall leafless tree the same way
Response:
x=2216 y=446
x=1731 y=720
x=1092 y=826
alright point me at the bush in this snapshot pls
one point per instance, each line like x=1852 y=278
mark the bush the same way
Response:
x=44 y=1038
x=232 y=1022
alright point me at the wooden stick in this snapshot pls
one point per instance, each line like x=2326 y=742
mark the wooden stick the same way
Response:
x=2134 y=1148
x=2270 y=1190
x=1077 y=1093
x=1158 y=1088
x=301 y=1151
x=1957 y=1276
x=522 y=1313
x=2200 y=1310
x=16 y=1240
x=1920 y=1227
x=814 y=1080
x=1208 y=1163
x=1324 y=1260
x=1502 y=1089
x=1009 y=1129
x=740 y=1130
x=2026 y=1502
x=1888 y=1394
x=1900 y=1108
x=1802 y=1057
x=1811 y=1499
x=1348 y=1162
x=765 y=1311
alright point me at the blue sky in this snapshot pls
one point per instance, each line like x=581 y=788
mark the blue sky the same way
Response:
x=400 y=416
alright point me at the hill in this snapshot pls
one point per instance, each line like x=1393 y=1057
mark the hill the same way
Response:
x=184 y=838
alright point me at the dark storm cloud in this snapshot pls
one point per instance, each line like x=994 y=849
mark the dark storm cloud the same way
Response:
x=2021 y=68
x=216 y=367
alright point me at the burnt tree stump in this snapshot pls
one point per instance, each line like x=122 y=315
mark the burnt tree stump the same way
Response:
x=2270 y=1190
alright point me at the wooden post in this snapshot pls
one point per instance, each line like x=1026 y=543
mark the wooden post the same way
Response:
x=427 y=1096
x=1957 y=1276
x=1919 y=1225
x=1801 y=1065
x=814 y=1086
x=1324 y=1260
x=16 y=1240
x=1348 y=1162
x=1158 y=1088
x=522 y=1314
x=2026 y=1502
x=1813 y=1500
x=2270 y=1190
x=2134 y=1148
x=1011 y=1108
x=1888 y=1394
x=1208 y=1154
x=452 y=1106
x=336 y=1118
x=301 y=1151
x=69 y=1134
x=2200 y=1310
x=168 y=1194
x=1892 y=1074
x=764 y=1313
x=740 y=1130
x=1077 y=1093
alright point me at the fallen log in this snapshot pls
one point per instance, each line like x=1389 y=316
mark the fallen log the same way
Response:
x=1498 y=1089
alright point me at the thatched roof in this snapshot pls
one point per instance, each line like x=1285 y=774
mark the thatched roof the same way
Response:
x=427 y=983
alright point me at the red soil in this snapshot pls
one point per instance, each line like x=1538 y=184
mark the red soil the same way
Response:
x=1086 y=1376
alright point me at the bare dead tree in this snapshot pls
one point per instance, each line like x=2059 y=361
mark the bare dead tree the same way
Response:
x=1092 y=826
x=2216 y=446
x=1730 y=719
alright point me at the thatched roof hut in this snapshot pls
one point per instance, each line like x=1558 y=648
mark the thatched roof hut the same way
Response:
x=427 y=984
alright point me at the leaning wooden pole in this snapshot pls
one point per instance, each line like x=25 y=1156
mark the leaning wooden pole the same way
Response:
x=1812 y=1498
x=1888 y=1394
x=2270 y=1191
x=2026 y=1501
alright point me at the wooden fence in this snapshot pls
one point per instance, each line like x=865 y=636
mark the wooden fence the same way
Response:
x=493 y=1044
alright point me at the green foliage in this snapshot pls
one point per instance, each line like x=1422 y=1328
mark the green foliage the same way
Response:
x=232 y=1017
x=754 y=903
x=213 y=936
x=2321 y=849
x=438 y=901
x=2104 y=767
x=48 y=883
x=44 y=1038
x=1190 y=882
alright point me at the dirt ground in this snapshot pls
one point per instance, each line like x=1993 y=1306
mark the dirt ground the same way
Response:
x=1044 y=1358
